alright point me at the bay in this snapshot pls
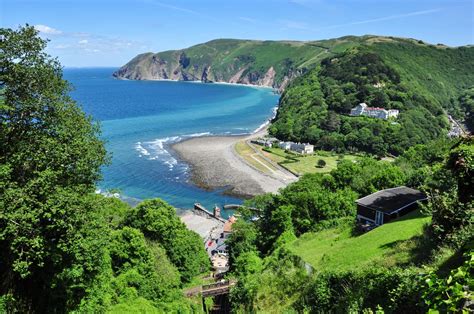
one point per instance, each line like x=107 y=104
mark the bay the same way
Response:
x=140 y=119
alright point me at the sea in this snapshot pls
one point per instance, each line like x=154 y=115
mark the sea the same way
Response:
x=141 y=119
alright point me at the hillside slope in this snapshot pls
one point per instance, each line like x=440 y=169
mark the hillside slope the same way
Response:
x=422 y=81
x=388 y=245
x=263 y=63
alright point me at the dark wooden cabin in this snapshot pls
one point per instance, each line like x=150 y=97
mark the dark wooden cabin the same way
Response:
x=385 y=205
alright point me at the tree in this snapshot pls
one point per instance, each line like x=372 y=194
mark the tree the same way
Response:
x=158 y=222
x=466 y=101
x=321 y=163
x=453 y=210
x=43 y=131
x=52 y=240
x=241 y=240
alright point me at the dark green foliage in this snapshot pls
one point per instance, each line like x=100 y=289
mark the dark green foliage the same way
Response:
x=466 y=104
x=421 y=163
x=44 y=133
x=241 y=240
x=367 y=175
x=453 y=210
x=315 y=107
x=63 y=248
x=134 y=265
x=158 y=222
x=454 y=293
x=439 y=74
x=321 y=163
x=249 y=266
x=52 y=239
x=271 y=285
x=396 y=291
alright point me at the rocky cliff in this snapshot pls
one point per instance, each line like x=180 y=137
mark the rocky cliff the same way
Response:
x=262 y=63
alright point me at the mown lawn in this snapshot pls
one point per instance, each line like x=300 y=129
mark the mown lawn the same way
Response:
x=247 y=153
x=306 y=164
x=388 y=245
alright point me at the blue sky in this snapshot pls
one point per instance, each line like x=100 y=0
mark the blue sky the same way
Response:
x=111 y=32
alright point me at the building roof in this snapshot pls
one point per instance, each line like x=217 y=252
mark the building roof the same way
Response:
x=392 y=200
x=228 y=224
x=221 y=247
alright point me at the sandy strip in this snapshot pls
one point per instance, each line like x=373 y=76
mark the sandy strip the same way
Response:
x=215 y=164
x=201 y=224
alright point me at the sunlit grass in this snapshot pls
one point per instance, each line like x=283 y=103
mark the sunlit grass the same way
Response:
x=336 y=249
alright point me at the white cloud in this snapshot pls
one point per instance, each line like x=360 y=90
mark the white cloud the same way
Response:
x=47 y=30
x=83 y=41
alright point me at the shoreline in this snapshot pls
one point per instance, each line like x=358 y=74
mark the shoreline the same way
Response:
x=214 y=164
x=201 y=82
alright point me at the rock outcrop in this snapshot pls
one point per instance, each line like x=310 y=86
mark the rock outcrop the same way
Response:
x=262 y=63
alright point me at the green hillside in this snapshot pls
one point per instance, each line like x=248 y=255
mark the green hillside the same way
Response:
x=322 y=80
x=268 y=63
x=336 y=249
x=422 y=81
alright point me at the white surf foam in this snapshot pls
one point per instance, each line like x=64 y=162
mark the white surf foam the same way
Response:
x=157 y=149
x=141 y=149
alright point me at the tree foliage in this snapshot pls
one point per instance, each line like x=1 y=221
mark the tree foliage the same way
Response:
x=315 y=107
x=158 y=221
x=454 y=293
x=50 y=155
x=466 y=104
x=64 y=248
x=286 y=283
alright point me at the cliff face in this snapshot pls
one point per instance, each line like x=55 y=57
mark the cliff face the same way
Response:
x=262 y=63
x=155 y=67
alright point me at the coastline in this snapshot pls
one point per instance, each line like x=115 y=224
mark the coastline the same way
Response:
x=202 y=82
x=215 y=164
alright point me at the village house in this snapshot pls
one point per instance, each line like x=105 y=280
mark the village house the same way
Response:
x=285 y=145
x=302 y=148
x=228 y=226
x=218 y=246
x=374 y=112
x=386 y=205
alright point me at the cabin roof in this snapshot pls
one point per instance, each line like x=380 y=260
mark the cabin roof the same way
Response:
x=392 y=200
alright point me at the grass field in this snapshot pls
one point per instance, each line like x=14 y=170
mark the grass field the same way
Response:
x=388 y=245
x=249 y=155
x=305 y=164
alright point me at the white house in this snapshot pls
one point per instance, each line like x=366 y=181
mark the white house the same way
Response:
x=374 y=112
x=285 y=145
x=302 y=148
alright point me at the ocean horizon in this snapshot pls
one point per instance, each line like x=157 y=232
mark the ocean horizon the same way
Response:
x=141 y=119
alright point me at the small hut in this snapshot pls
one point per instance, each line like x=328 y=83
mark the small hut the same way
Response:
x=385 y=205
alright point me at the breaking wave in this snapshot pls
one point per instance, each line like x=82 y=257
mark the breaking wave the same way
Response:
x=158 y=149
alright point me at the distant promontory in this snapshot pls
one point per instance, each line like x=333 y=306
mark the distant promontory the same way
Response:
x=261 y=63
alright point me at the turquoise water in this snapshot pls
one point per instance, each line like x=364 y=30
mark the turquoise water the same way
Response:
x=140 y=119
